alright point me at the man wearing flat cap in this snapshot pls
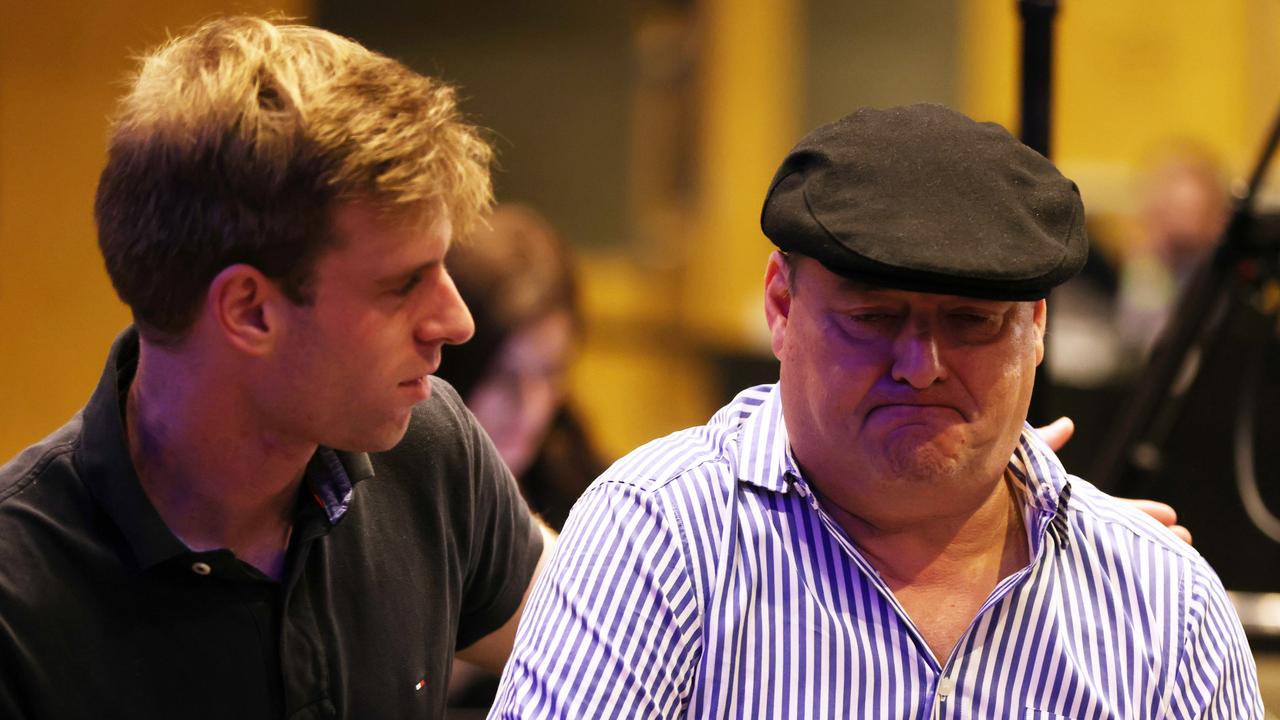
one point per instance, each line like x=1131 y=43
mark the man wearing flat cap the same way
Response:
x=880 y=534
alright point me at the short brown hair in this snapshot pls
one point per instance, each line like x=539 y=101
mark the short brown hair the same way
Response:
x=238 y=140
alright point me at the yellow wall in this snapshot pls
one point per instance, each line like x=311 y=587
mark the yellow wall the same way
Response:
x=61 y=65
x=1130 y=74
x=1127 y=76
x=644 y=369
x=749 y=107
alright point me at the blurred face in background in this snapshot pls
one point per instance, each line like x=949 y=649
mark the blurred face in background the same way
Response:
x=1185 y=208
x=517 y=278
x=517 y=399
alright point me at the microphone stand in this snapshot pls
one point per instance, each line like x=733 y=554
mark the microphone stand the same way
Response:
x=1037 y=72
x=1036 y=106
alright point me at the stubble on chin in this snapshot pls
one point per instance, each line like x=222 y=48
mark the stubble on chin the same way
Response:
x=930 y=459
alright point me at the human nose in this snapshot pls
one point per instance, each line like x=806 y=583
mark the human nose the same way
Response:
x=916 y=357
x=446 y=318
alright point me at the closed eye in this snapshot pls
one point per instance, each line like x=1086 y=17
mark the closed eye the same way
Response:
x=974 y=326
x=408 y=285
x=866 y=325
x=873 y=318
x=972 y=318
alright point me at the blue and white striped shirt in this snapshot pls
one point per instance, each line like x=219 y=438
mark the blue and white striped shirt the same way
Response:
x=699 y=577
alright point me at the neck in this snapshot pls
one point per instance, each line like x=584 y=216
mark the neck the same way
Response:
x=982 y=540
x=217 y=479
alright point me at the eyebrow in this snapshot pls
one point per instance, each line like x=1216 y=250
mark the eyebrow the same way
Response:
x=397 y=277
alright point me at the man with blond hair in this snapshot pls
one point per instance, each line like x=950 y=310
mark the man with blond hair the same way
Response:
x=268 y=508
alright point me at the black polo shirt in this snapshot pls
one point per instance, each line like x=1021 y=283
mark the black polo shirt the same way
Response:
x=397 y=559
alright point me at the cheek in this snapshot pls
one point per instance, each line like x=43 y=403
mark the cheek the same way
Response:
x=541 y=405
x=1007 y=389
x=491 y=407
x=829 y=378
x=847 y=370
x=825 y=347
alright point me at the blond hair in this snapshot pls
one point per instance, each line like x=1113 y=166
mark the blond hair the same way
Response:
x=238 y=140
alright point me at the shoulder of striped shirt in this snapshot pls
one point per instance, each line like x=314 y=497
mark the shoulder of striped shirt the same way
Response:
x=1089 y=505
x=712 y=447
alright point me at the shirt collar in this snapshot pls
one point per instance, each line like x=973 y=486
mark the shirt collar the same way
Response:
x=764 y=453
x=765 y=460
x=1045 y=486
x=332 y=476
x=107 y=469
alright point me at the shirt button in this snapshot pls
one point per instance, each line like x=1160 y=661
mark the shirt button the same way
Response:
x=946 y=686
x=201 y=568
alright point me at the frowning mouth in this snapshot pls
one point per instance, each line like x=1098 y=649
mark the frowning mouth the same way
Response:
x=916 y=411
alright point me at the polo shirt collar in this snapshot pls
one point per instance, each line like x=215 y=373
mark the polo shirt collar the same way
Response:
x=107 y=469
x=332 y=476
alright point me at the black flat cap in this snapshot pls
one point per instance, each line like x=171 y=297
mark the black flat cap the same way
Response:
x=923 y=198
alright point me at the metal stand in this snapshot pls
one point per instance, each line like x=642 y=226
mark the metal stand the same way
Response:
x=1036 y=108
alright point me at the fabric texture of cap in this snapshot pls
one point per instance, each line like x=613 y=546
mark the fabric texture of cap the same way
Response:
x=923 y=198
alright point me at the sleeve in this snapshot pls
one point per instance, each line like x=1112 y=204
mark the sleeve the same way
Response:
x=613 y=626
x=1216 y=675
x=502 y=540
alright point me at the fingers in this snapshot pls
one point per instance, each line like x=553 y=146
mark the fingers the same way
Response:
x=1164 y=514
x=1057 y=433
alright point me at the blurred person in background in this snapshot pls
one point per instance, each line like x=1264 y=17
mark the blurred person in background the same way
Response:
x=1184 y=203
x=1106 y=320
x=519 y=281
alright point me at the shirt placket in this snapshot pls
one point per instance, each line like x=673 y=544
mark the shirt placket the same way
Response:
x=303 y=662
x=945 y=701
x=944 y=697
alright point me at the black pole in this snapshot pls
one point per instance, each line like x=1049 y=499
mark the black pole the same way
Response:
x=1037 y=71
x=1036 y=111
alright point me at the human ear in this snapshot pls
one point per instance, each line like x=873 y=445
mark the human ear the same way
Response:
x=242 y=302
x=777 y=300
x=1040 y=315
